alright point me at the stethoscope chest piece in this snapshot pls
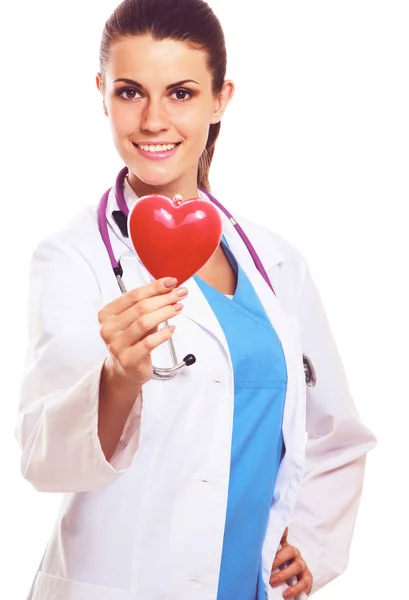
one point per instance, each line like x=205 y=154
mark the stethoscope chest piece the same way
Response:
x=309 y=372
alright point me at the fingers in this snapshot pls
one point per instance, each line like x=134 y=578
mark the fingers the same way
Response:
x=141 y=328
x=129 y=326
x=156 y=288
x=149 y=305
x=287 y=553
x=130 y=358
x=304 y=585
x=292 y=566
x=292 y=570
x=114 y=324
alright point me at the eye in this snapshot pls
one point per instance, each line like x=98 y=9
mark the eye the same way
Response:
x=182 y=95
x=128 y=93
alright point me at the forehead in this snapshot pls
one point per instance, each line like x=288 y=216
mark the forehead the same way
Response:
x=153 y=61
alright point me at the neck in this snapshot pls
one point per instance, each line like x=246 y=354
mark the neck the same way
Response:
x=187 y=189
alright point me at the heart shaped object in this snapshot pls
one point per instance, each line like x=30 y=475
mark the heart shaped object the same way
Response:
x=174 y=238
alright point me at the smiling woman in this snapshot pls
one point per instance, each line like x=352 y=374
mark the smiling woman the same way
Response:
x=201 y=487
x=178 y=98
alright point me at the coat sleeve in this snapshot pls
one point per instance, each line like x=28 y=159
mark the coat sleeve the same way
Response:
x=324 y=516
x=58 y=412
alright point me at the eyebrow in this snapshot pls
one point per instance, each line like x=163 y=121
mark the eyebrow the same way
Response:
x=168 y=87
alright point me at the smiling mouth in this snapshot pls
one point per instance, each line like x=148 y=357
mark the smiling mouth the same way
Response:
x=156 y=147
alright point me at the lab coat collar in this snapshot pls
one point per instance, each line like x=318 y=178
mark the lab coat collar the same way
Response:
x=130 y=199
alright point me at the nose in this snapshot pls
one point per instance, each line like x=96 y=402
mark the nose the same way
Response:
x=154 y=117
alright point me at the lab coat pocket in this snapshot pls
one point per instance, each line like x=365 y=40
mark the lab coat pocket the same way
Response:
x=51 y=587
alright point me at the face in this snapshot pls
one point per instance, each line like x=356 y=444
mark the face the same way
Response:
x=159 y=100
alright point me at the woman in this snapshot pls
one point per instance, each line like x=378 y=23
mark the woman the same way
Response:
x=182 y=489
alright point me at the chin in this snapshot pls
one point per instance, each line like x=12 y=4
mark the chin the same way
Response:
x=154 y=178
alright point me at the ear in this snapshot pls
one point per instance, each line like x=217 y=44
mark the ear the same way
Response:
x=100 y=87
x=222 y=101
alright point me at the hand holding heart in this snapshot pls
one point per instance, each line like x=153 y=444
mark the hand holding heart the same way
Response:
x=174 y=238
x=129 y=328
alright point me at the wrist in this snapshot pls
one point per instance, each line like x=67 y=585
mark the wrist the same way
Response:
x=117 y=385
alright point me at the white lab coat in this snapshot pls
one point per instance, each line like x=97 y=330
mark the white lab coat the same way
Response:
x=148 y=525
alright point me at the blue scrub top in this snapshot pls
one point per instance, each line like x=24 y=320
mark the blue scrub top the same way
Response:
x=260 y=383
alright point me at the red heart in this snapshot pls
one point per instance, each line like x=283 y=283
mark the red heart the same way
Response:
x=174 y=238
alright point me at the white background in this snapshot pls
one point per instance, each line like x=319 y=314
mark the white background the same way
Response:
x=315 y=145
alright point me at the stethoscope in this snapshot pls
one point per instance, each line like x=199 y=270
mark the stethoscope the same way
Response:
x=120 y=216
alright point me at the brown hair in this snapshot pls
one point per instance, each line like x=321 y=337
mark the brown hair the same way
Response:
x=192 y=21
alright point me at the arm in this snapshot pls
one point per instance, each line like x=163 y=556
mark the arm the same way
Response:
x=59 y=404
x=324 y=516
x=116 y=399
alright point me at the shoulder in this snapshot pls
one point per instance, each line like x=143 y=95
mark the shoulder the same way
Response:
x=76 y=238
x=74 y=252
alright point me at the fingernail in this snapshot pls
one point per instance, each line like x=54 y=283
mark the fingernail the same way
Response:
x=274 y=580
x=178 y=307
x=170 y=282
x=181 y=291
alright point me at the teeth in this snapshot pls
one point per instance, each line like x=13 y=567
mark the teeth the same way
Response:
x=157 y=148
